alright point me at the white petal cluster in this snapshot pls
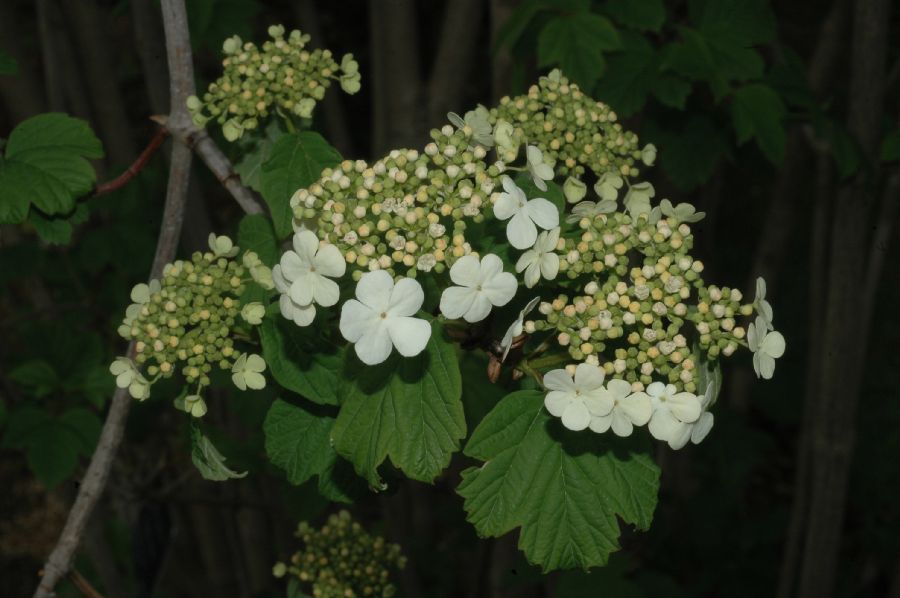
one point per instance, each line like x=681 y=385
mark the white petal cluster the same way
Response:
x=517 y=327
x=767 y=346
x=524 y=215
x=381 y=318
x=673 y=412
x=481 y=284
x=303 y=277
x=541 y=260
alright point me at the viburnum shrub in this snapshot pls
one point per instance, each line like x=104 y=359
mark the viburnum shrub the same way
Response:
x=524 y=239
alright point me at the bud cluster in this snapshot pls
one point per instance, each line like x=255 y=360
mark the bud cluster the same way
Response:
x=643 y=287
x=573 y=130
x=341 y=560
x=282 y=76
x=186 y=318
x=405 y=213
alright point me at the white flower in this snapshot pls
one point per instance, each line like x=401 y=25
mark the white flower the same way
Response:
x=247 y=372
x=128 y=376
x=141 y=293
x=637 y=200
x=524 y=214
x=302 y=315
x=672 y=411
x=607 y=186
x=577 y=400
x=222 y=246
x=628 y=409
x=540 y=171
x=193 y=404
x=381 y=317
x=698 y=430
x=767 y=346
x=253 y=312
x=516 y=328
x=763 y=307
x=307 y=267
x=590 y=209
x=540 y=260
x=683 y=212
x=574 y=190
x=482 y=284
x=478 y=123
x=648 y=154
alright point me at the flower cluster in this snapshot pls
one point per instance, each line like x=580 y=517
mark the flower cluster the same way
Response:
x=283 y=76
x=186 y=321
x=341 y=560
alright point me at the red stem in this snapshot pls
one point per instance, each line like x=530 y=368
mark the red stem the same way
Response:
x=138 y=165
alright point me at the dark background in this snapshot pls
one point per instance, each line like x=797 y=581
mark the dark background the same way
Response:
x=798 y=480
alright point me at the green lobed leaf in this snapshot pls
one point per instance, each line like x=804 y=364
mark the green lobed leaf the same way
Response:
x=255 y=233
x=255 y=153
x=563 y=489
x=408 y=409
x=645 y=15
x=85 y=425
x=208 y=460
x=693 y=150
x=297 y=441
x=576 y=42
x=296 y=161
x=36 y=376
x=52 y=452
x=671 y=90
x=300 y=360
x=758 y=113
x=630 y=76
x=746 y=22
x=46 y=164
x=714 y=60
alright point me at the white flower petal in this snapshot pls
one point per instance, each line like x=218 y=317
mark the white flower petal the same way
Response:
x=302 y=289
x=766 y=365
x=636 y=407
x=406 y=298
x=619 y=388
x=374 y=289
x=773 y=344
x=466 y=271
x=559 y=380
x=601 y=423
x=479 y=309
x=663 y=425
x=356 y=320
x=576 y=417
x=329 y=262
x=325 y=291
x=680 y=438
x=543 y=213
x=456 y=301
x=375 y=345
x=409 y=335
x=549 y=266
x=702 y=427
x=521 y=231
x=588 y=377
x=500 y=289
x=557 y=402
x=507 y=204
x=685 y=406
x=292 y=267
x=621 y=423
x=306 y=243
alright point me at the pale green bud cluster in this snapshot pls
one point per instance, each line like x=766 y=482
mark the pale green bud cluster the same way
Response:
x=406 y=213
x=643 y=287
x=573 y=130
x=185 y=319
x=283 y=76
x=341 y=560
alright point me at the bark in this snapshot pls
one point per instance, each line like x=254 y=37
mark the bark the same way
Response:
x=455 y=56
x=49 y=30
x=398 y=115
x=845 y=335
x=89 y=27
x=22 y=92
x=502 y=65
x=150 y=45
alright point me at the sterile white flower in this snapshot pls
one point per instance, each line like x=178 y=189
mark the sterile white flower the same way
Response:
x=574 y=190
x=222 y=246
x=637 y=200
x=672 y=411
x=142 y=292
x=699 y=430
x=253 y=312
x=763 y=307
x=124 y=370
x=515 y=329
x=608 y=185
x=505 y=138
x=482 y=283
x=247 y=372
x=524 y=215
x=193 y=404
x=302 y=315
x=540 y=170
x=767 y=346
x=648 y=154
x=309 y=268
x=683 y=212
x=577 y=400
x=381 y=317
x=629 y=409
x=477 y=121
x=540 y=260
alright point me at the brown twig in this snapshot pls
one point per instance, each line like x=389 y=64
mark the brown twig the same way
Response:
x=83 y=585
x=139 y=164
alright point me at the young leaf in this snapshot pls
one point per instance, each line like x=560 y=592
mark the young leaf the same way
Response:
x=693 y=150
x=408 y=409
x=563 y=489
x=255 y=154
x=300 y=360
x=757 y=113
x=208 y=460
x=255 y=233
x=45 y=164
x=297 y=441
x=85 y=425
x=296 y=162
x=575 y=42
x=745 y=22
x=630 y=76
